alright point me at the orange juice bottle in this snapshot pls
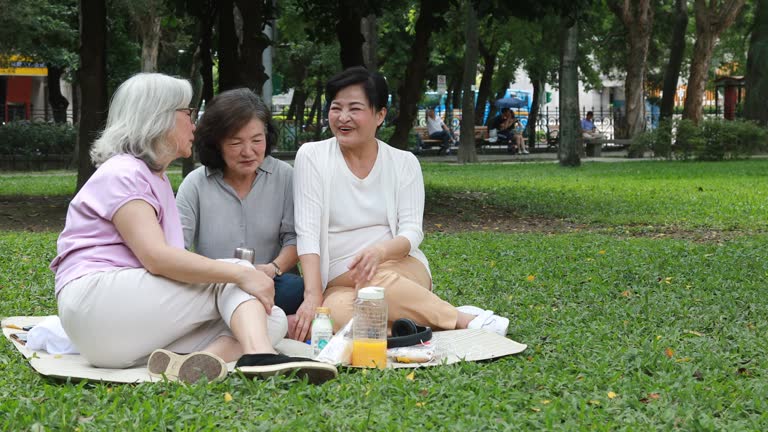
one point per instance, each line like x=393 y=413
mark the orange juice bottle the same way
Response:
x=369 y=329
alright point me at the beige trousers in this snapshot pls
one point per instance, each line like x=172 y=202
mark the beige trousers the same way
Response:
x=117 y=318
x=407 y=291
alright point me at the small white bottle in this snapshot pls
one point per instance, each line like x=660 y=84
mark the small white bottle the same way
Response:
x=322 y=329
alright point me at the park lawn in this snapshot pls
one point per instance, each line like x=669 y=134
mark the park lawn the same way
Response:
x=623 y=333
x=659 y=194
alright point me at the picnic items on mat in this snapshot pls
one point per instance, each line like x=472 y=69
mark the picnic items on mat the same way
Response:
x=322 y=329
x=450 y=347
x=369 y=331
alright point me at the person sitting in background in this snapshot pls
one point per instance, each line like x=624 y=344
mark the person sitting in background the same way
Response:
x=241 y=183
x=438 y=130
x=517 y=135
x=588 y=129
x=128 y=292
x=506 y=126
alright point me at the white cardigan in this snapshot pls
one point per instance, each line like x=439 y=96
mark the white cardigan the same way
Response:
x=312 y=175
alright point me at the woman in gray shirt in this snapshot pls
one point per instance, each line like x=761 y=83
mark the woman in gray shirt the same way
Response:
x=241 y=196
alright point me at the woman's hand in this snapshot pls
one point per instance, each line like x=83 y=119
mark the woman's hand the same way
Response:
x=364 y=266
x=304 y=316
x=267 y=269
x=258 y=284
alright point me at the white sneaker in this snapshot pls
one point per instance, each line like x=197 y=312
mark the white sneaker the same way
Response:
x=486 y=320
x=525 y=151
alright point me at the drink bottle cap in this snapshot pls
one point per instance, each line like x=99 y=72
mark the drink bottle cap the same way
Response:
x=371 y=293
x=323 y=310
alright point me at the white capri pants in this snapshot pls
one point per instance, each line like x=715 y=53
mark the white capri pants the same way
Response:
x=117 y=318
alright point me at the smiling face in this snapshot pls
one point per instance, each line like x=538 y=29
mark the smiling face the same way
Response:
x=244 y=151
x=352 y=118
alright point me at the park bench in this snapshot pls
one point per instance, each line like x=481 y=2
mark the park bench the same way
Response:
x=422 y=137
x=592 y=147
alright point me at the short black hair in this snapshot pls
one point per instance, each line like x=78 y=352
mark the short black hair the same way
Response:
x=505 y=109
x=374 y=85
x=590 y=113
x=224 y=116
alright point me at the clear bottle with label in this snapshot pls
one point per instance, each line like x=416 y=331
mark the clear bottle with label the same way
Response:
x=322 y=329
x=369 y=328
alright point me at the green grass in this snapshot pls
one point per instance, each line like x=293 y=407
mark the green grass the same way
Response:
x=624 y=333
x=728 y=195
x=682 y=195
x=599 y=316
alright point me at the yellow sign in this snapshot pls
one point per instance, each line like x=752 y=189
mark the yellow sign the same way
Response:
x=21 y=66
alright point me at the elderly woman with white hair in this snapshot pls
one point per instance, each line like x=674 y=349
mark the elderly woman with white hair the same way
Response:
x=128 y=292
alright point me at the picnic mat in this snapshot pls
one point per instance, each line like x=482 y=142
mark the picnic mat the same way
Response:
x=454 y=346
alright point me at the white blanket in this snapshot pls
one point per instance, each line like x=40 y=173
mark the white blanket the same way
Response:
x=454 y=346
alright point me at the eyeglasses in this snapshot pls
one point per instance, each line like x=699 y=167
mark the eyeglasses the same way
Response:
x=190 y=112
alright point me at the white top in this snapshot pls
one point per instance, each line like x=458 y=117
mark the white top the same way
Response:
x=357 y=218
x=434 y=124
x=400 y=182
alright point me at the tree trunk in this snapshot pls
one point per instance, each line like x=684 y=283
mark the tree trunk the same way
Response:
x=467 y=151
x=255 y=16
x=370 y=32
x=93 y=82
x=533 y=115
x=320 y=112
x=150 y=41
x=756 y=102
x=412 y=87
x=348 y=32
x=489 y=64
x=676 y=53
x=206 y=61
x=571 y=142
x=637 y=17
x=711 y=21
x=57 y=100
x=228 y=43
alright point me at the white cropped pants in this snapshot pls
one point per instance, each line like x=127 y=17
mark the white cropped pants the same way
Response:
x=117 y=318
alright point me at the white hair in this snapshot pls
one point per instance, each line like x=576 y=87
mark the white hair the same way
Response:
x=141 y=115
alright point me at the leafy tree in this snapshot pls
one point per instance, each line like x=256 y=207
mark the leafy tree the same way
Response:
x=93 y=81
x=756 y=103
x=677 y=51
x=409 y=92
x=242 y=42
x=44 y=31
x=570 y=149
x=467 y=152
x=712 y=18
x=637 y=17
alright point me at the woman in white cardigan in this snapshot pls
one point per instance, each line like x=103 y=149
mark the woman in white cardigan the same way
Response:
x=358 y=206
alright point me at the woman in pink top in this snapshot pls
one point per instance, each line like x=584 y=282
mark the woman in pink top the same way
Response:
x=128 y=292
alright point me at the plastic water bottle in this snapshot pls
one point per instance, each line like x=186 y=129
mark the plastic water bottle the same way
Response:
x=322 y=329
x=369 y=329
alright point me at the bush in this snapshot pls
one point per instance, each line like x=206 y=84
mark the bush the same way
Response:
x=24 y=138
x=658 y=140
x=717 y=139
x=688 y=139
x=385 y=134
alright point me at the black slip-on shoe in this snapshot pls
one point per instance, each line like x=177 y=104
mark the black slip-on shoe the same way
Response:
x=266 y=365
x=188 y=368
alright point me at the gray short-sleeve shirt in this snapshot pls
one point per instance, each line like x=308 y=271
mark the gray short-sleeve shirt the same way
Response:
x=216 y=221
